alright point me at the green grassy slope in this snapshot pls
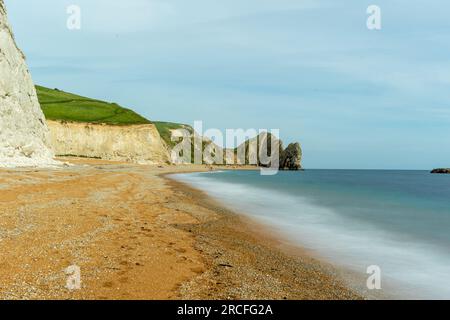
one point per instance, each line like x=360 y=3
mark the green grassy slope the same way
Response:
x=60 y=105
x=164 y=129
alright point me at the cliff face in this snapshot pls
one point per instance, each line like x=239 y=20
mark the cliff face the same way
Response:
x=291 y=157
x=140 y=144
x=210 y=152
x=24 y=137
x=255 y=151
x=259 y=148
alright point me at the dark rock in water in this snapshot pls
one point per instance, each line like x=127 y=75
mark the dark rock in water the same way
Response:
x=441 y=170
x=291 y=157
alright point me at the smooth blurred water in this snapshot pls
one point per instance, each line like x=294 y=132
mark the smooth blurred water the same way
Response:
x=398 y=220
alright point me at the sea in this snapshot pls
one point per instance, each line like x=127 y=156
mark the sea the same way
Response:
x=389 y=224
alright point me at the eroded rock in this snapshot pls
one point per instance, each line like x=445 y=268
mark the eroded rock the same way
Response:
x=24 y=138
x=441 y=170
x=291 y=157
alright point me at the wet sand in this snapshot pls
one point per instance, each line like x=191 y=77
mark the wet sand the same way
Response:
x=135 y=234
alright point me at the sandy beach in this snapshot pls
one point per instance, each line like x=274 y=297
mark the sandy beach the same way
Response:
x=136 y=234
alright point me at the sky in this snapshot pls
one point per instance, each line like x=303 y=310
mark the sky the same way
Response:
x=353 y=97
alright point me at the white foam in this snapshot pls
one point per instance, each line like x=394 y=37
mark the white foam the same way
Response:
x=416 y=269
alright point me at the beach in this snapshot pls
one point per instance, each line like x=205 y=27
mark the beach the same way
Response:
x=136 y=234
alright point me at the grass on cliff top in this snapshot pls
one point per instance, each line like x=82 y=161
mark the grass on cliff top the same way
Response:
x=60 y=105
x=165 y=131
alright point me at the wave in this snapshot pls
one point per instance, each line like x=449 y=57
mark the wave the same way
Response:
x=415 y=269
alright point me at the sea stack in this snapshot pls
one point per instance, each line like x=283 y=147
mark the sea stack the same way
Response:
x=291 y=157
x=24 y=136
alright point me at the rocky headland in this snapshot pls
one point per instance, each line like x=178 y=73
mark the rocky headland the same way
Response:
x=291 y=157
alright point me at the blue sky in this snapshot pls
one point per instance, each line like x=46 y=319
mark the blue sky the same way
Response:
x=353 y=97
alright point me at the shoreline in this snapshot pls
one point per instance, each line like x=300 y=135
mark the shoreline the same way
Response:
x=250 y=245
x=139 y=235
x=274 y=239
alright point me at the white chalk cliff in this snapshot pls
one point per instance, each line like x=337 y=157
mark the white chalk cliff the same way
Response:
x=24 y=136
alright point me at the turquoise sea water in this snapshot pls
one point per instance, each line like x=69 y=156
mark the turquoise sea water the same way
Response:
x=397 y=220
